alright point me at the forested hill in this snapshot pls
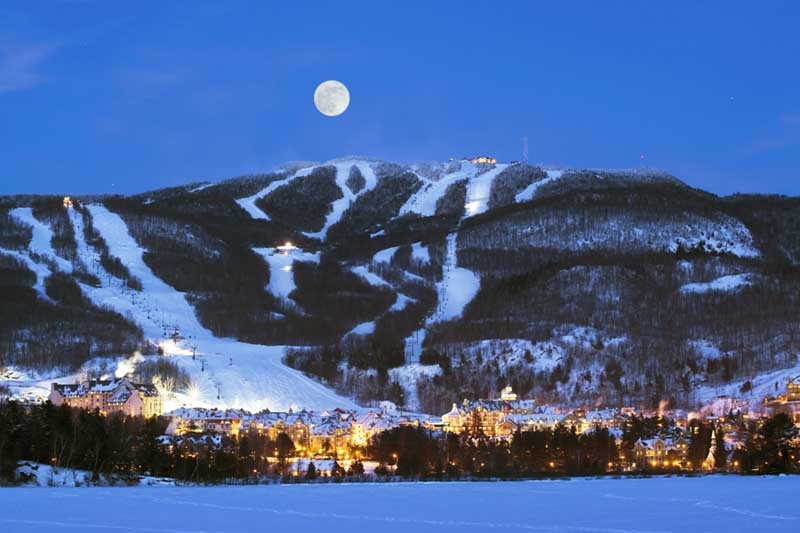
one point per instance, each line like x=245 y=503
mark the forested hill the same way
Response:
x=422 y=284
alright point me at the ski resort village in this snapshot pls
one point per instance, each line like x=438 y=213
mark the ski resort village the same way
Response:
x=363 y=318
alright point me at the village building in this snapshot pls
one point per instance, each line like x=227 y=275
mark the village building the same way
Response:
x=493 y=418
x=109 y=396
x=482 y=160
x=660 y=452
x=186 y=421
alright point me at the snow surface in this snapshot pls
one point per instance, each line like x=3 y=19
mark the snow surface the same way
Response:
x=281 y=273
x=202 y=187
x=479 y=189
x=385 y=256
x=457 y=288
x=529 y=192
x=545 y=355
x=762 y=385
x=365 y=328
x=724 y=283
x=338 y=207
x=715 y=504
x=370 y=277
x=420 y=253
x=249 y=203
x=408 y=375
x=42 y=475
x=42 y=237
x=401 y=302
x=423 y=202
x=41 y=271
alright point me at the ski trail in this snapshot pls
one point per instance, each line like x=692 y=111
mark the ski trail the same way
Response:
x=281 y=269
x=457 y=288
x=41 y=243
x=479 y=189
x=225 y=373
x=249 y=203
x=42 y=271
x=338 y=207
x=529 y=192
x=423 y=202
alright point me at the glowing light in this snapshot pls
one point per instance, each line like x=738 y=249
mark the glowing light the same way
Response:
x=287 y=268
x=472 y=207
x=193 y=393
x=128 y=366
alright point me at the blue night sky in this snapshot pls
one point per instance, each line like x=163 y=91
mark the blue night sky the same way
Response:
x=124 y=97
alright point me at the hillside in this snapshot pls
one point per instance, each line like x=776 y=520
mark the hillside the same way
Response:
x=422 y=284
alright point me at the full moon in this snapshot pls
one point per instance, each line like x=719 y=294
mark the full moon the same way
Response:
x=331 y=98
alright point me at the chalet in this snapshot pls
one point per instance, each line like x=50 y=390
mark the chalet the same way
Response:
x=109 y=396
x=482 y=160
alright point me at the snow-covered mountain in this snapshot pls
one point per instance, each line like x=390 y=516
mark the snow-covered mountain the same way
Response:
x=356 y=280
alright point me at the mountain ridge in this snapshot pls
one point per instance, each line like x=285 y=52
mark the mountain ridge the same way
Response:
x=539 y=261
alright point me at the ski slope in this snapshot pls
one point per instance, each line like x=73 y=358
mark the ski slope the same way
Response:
x=479 y=189
x=423 y=202
x=529 y=192
x=42 y=237
x=227 y=373
x=41 y=271
x=249 y=203
x=457 y=288
x=338 y=207
x=281 y=272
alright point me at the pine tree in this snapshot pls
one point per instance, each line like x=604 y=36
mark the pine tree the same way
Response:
x=311 y=472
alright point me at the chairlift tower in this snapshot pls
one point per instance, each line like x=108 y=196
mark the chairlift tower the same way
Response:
x=525 y=149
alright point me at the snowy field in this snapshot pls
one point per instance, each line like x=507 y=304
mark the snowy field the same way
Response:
x=712 y=504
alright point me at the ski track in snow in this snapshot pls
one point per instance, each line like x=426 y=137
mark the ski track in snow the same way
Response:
x=249 y=203
x=338 y=207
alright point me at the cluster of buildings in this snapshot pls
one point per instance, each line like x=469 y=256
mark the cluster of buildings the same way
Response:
x=504 y=416
x=329 y=433
x=109 y=396
x=788 y=402
x=482 y=160
x=337 y=433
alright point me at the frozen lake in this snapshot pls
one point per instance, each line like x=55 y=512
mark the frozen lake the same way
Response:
x=711 y=504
